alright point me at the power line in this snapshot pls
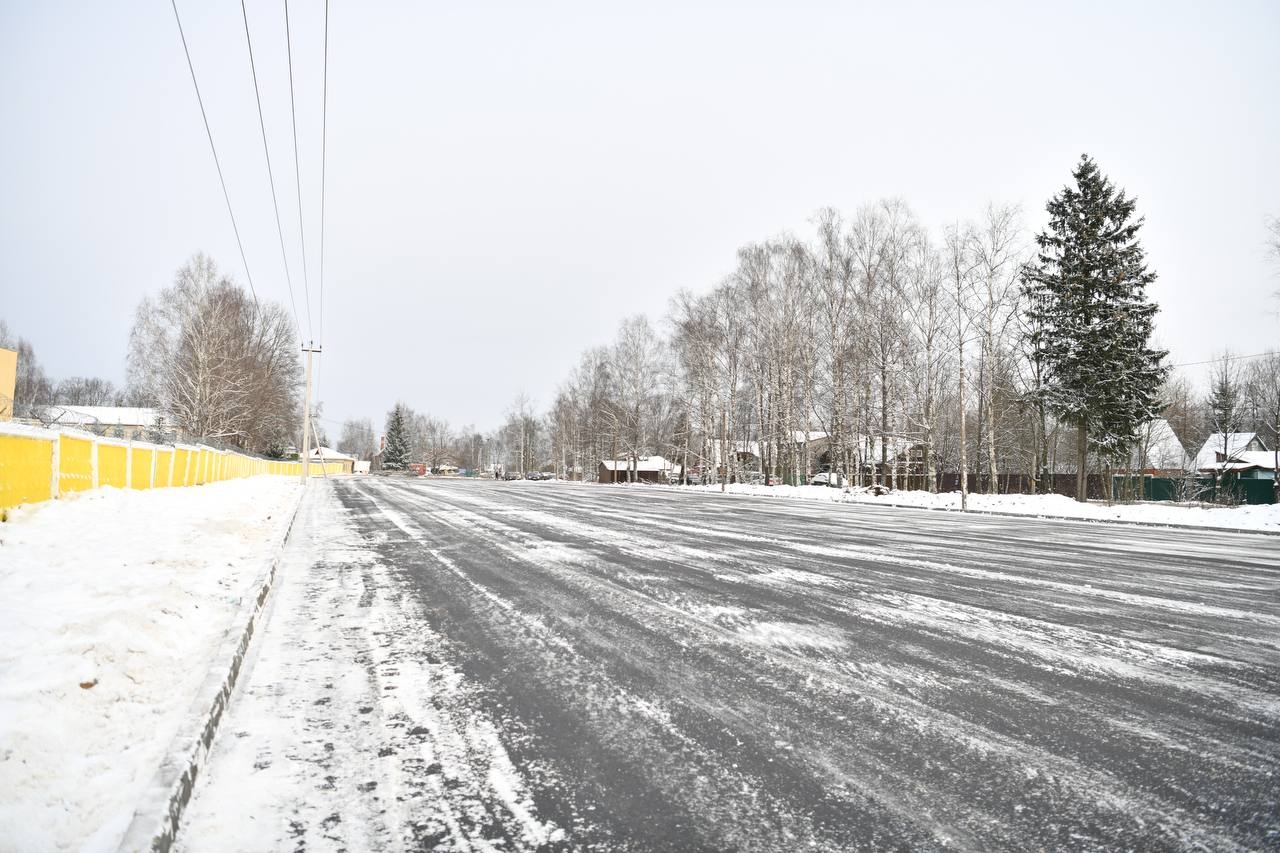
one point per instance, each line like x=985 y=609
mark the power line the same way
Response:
x=284 y=256
x=324 y=143
x=214 y=149
x=297 y=170
x=1223 y=358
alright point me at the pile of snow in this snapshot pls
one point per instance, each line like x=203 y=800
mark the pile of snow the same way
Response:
x=112 y=604
x=1265 y=518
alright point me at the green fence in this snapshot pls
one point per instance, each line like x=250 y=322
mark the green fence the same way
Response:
x=1231 y=490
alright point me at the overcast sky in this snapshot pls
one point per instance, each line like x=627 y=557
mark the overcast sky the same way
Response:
x=508 y=181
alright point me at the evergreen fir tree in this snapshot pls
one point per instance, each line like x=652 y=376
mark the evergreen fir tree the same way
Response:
x=395 y=456
x=1088 y=306
x=1224 y=400
x=1224 y=409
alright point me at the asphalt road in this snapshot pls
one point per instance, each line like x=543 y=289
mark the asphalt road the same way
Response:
x=458 y=665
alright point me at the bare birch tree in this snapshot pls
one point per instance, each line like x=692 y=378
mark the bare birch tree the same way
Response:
x=222 y=367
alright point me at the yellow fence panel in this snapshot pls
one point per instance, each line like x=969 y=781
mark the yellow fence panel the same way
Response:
x=140 y=475
x=164 y=458
x=113 y=463
x=75 y=464
x=26 y=470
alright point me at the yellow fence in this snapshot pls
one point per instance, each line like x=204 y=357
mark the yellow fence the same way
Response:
x=37 y=465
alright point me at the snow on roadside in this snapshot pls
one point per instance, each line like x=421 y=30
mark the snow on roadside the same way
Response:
x=1266 y=518
x=112 y=603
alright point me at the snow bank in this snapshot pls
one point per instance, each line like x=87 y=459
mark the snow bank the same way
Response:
x=1266 y=518
x=111 y=605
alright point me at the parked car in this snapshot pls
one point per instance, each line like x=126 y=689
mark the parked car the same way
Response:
x=511 y=475
x=827 y=478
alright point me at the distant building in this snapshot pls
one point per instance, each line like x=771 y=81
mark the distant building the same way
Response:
x=329 y=455
x=8 y=382
x=1241 y=453
x=651 y=469
x=1158 y=450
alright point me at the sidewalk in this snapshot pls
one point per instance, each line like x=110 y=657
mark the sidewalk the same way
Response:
x=111 y=607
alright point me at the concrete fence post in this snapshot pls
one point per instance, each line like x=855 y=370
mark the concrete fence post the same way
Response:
x=152 y=484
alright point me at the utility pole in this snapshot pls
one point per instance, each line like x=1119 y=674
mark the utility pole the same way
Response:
x=306 y=414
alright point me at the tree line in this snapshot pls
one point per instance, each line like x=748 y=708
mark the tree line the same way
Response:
x=972 y=351
x=897 y=355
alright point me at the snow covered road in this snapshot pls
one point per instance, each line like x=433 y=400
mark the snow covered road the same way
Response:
x=532 y=666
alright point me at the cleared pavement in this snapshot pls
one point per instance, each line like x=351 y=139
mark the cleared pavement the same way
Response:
x=461 y=665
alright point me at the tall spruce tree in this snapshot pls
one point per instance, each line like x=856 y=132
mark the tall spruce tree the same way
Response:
x=1223 y=405
x=395 y=455
x=1092 y=321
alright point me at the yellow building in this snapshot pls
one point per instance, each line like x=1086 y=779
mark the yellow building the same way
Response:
x=8 y=382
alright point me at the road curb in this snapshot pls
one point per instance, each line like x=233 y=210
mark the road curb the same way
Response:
x=157 y=818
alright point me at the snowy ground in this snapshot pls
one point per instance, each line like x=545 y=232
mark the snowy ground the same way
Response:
x=111 y=604
x=480 y=666
x=1265 y=518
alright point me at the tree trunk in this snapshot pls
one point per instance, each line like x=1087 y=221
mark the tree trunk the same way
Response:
x=1082 y=459
x=964 y=439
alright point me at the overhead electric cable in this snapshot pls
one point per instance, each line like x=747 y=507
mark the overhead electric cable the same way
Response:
x=297 y=171
x=1223 y=358
x=284 y=255
x=214 y=149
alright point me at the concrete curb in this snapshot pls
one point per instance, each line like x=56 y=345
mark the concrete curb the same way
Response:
x=157 y=817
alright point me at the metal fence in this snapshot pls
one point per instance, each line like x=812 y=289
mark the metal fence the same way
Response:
x=1230 y=490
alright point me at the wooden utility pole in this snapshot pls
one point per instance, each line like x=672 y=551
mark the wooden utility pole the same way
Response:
x=309 y=349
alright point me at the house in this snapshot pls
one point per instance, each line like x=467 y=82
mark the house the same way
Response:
x=1158 y=450
x=651 y=469
x=328 y=454
x=8 y=381
x=1241 y=453
x=903 y=454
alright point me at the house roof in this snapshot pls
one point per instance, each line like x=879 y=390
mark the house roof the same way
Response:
x=1235 y=443
x=1163 y=449
x=329 y=453
x=1253 y=459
